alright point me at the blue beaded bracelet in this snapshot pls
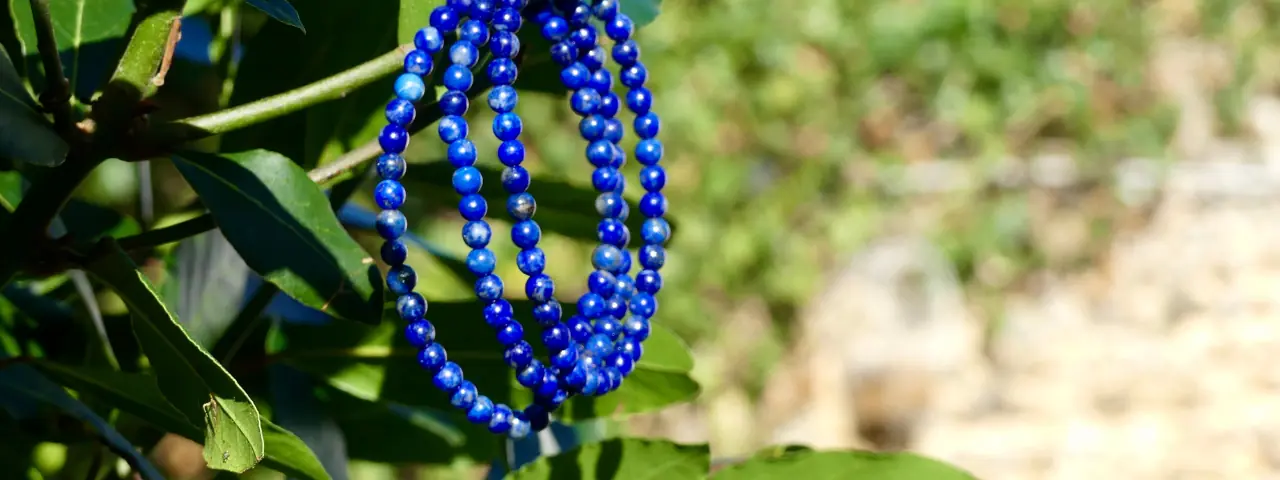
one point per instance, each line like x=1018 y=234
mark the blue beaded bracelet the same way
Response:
x=593 y=351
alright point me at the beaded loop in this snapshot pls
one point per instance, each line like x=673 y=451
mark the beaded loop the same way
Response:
x=590 y=352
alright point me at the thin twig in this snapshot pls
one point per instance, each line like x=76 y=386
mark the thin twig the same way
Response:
x=56 y=97
x=175 y=34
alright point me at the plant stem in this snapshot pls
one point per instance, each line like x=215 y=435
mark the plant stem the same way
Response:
x=114 y=112
x=56 y=97
x=331 y=88
x=169 y=234
x=27 y=228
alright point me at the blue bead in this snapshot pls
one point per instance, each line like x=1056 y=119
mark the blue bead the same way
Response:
x=461 y=153
x=409 y=86
x=555 y=29
x=648 y=281
x=520 y=426
x=652 y=257
x=465 y=396
x=411 y=306
x=591 y=127
x=391 y=224
x=612 y=231
x=614 y=376
x=420 y=333
x=401 y=279
x=653 y=178
x=575 y=76
x=626 y=286
x=579 y=14
x=476 y=234
x=639 y=100
x=394 y=252
x=630 y=347
x=600 y=153
x=511 y=153
x=472 y=207
x=579 y=327
x=429 y=39
x=564 y=53
x=461 y=6
x=625 y=265
x=590 y=305
x=636 y=327
x=475 y=32
x=556 y=337
x=622 y=363
x=418 y=62
x=531 y=375
x=515 y=179
x=482 y=10
x=464 y=54
x=449 y=378
x=549 y=385
x=504 y=45
x=644 y=305
x=647 y=125
x=521 y=206
x=481 y=411
x=498 y=313
x=611 y=205
x=653 y=204
x=601 y=81
x=388 y=194
x=454 y=103
x=620 y=28
x=467 y=180
x=444 y=19
x=605 y=9
x=609 y=106
x=626 y=53
x=554 y=401
x=547 y=313
x=391 y=166
x=516 y=4
x=633 y=76
x=432 y=357
x=615 y=307
x=489 y=287
x=609 y=327
x=538 y=417
x=612 y=129
x=457 y=78
x=605 y=179
x=594 y=59
x=510 y=333
x=393 y=139
x=507 y=126
x=503 y=98
x=539 y=288
x=502 y=71
x=525 y=234
x=518 y=355
x=577 y=378
x=606 y=257
x=531 y=261
x=649 y=151
x=584 y=101
x=592 y=386
x=452 y=128
x=564 y=359
x=507 y=20
x=400 y=112
x=601 y=283
x=584 y=38
x=655 y=231
x=481 y=261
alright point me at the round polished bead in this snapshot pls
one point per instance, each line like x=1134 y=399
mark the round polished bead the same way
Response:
x=564 y=53
x=609 y=327
x=605 y=9
x=520 y=426
x=393 y=139
x=547 y=313
x=526 y=233
x=600 y=153
x=454 y=103
x=461 y=153
x=655 y=231
x=601 y=283
x=612 y=129
x=601 y=81
x=401 y=279
x=555 y=401
x=549 y=385
x=400 y=112
x=418 y=62
x=504 y=45
x=648 y=281
x=465 y=396
x=409 y=86
x=510 y=333
x=507 y=20
x=623 y=363
x=420 y=333
x=498 y=313
x=388 y=194
x=481 y=411
x=612 y=231
x=584 y=38
x=591 y=127
x=591 y=305
x=653 y=178
x=518 y=355
x=449 y=378
x=503 y=99
x=507 y=126
x=411 y=306
x=626 y=53
x=394 y=252
x=653 y=204
x=391 y=224
x=452 y=128
x=564 y=359
x=605 y=179
x=481 y=261
x=584 y=101
x=521 y=206
x=473 y=207
x=531 y=375
x=476 y=234
x=640 y=100
x=539 y=288
x=515 y=179
x=579 y=327
x=647 y=125
x=592 y=386
x=630 y=347
x=625 y=265
x=555 y=28
x=556 y=337
x=614 y=376
x=391 y=166
x=482 y=10
x=538 y=417
x=577 y=378
x=578 y=15
x=457 y=78
x=467 y=180
x=615 y=307
x=502 y=71
x=634 y=76
x=464 y=54
x=620 y=28
x=609 y=105
x=606 y=257
x=636 y=327
x=511 y=153
x=445 y=19
x=432 y=357
x=531 y=261
x=652 y=257
x=611 y=205
x=626 y=286
x=489 y=287
x=594 y=59
x=575 y=76
x=475 y=32
x=428 y=39
x=643 y=304
x=649 y=151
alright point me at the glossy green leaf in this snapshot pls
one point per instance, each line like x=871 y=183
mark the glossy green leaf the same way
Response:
x=376 y=364
x=853 y=465
x=197 y=385
x=21 y=381
x=281 y=224
x=138 y=395
x=90 y=35
x=629 y=458
x=28 y=135
x=280 y=10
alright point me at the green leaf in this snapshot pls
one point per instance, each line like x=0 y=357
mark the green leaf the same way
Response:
x=90 y=35
x=376 y=364
x=189 y=377
x=206 y=282
x=138 y=395
x=629 y=458
x=802 y=463
x=280 y=10
x=21 y=381
x=281 y=224
x=642 y=12
x=28 y=135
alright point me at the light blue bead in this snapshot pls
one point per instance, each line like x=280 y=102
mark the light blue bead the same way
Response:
x=410 y=87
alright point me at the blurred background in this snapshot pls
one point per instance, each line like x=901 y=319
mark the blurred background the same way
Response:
x=1034 y=238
